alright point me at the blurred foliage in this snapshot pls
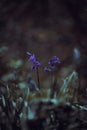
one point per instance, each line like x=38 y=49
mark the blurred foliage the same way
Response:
x=3 y=49
x=15 y=64
x=24 y=105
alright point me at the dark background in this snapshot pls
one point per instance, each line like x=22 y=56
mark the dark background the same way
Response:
x=43 y=27
x=43 y=21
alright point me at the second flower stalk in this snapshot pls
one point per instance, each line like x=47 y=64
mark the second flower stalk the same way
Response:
x=53 y=64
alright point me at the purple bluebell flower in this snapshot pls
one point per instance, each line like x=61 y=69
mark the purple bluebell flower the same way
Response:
x=54 y=61
x=52 y=64
x=33 y=60
x=35 y=65
x=32 y=57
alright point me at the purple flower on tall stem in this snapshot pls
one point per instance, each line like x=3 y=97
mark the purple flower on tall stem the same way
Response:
x=53 y=64
x=35 y=65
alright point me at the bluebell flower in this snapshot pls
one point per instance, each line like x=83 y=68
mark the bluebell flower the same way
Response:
x=35 y=65
x=52 y=64
x=33 y=60
x=54 y=61
x=32 y=57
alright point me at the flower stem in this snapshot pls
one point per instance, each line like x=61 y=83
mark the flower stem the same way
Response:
x=38 y=79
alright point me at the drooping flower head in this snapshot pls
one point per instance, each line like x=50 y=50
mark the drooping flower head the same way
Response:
x=32 y=57
x=33 y=60
x=52 y=64
x=54 y=61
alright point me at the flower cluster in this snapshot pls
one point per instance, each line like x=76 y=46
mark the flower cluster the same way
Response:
x=52 y=64
x=36 y=64
x=33 y=60
x=55 y=60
